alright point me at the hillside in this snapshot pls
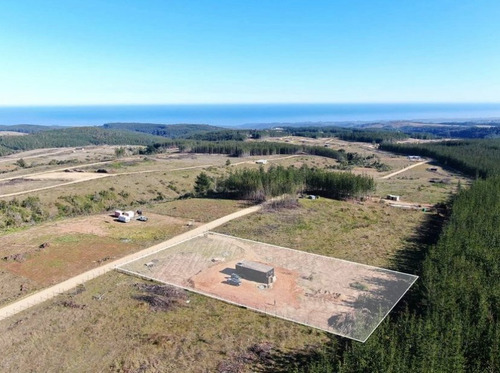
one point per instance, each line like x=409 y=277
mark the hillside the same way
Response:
x=164 y=130
x=27 y=128
x=473 y=157
x=77 y=136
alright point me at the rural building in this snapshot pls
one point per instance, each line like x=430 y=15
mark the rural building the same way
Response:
x=414 y=158
x=261 y=161
x=257 y=272
x=392 y=197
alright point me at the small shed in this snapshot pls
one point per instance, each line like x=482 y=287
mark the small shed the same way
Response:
x=261 y=161
x=255 y=271
x=392 y=197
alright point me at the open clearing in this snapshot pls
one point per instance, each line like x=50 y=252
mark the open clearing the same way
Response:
x=73 y=246
x=105 y=328
x=341 y=297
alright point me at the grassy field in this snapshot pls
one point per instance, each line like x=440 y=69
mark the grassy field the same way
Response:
x=74 y=245
x=120 y=334
x=40 y=160
x=369 y=233
x=104 y=328
x=198 y=209
x=415 y=185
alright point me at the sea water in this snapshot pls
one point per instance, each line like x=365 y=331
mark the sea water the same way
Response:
x=244 y=114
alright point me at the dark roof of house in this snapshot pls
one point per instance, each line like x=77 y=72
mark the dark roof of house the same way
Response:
x=255 y=266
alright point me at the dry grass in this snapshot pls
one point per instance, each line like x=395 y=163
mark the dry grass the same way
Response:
x=105 y=329
x=118 y=333
x=369 y=233
x=13 y=286
x=414 y=185
x=199 y=209
x=75 y=245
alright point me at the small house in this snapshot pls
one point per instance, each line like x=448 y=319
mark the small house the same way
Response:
x=254 y=271
x=392 y=197
x=414 y=158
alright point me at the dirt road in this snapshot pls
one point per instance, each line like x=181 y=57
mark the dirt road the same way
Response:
x=403 y=170
x=43 y=295
x=82 y=177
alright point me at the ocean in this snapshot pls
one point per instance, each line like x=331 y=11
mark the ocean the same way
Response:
x=247 y=115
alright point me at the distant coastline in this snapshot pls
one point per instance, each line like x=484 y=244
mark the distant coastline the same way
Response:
x=233 y=115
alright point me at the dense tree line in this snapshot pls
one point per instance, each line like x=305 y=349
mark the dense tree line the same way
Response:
x=454 y=326
x=27 y=128
x=240 y=148
x=258 y=184
x=473 y=157
x=462 y=130
x=173 y=131
x=451 y=321
x=225 y=135
x=77 y=136
x=352 y=134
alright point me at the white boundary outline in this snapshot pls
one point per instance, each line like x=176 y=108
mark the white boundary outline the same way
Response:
x=120 y=268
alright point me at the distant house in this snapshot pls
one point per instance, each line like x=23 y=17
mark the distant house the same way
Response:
x=392 y=197
x=261 y=161
x=255 y=271
x=414 y=158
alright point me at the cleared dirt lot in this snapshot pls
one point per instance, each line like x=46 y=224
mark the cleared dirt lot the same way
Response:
x=341 y=297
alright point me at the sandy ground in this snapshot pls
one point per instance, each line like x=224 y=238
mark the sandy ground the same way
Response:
x=67 y=176
x=341 y=297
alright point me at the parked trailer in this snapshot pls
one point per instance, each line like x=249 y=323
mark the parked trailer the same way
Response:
x=124 y=218
x=130 y=214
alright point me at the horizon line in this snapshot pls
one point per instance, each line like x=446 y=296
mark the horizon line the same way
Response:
x=256 y=103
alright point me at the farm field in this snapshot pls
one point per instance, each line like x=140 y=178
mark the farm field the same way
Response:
x=343 y=298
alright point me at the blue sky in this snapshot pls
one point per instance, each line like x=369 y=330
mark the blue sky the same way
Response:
x=119 y=52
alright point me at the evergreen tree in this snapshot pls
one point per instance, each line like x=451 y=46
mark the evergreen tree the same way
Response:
x=202 y=184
